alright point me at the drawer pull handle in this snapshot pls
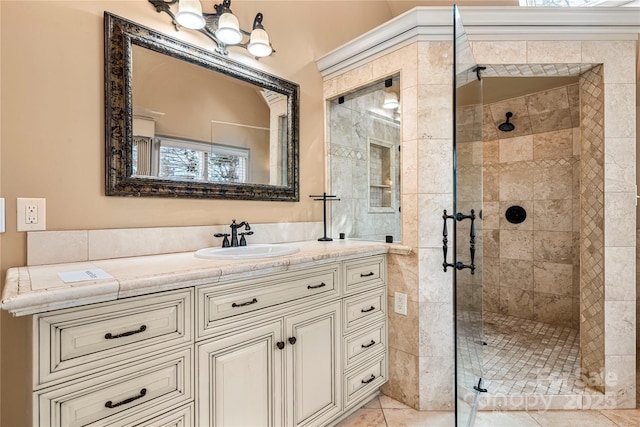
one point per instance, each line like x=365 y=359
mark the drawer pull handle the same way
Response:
x=280 y=345
x=368 y=345
x=369 y=274
x=243 y=304
x=109 y=336
x=110 y=404
x=368 y=380
x=366 y=310
x=292 y=340
x=321 y=285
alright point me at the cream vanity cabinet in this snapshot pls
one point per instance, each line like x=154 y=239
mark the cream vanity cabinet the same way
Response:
x=298 y=348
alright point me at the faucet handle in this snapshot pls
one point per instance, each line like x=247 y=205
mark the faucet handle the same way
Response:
x=225 y=241
x=243 y=241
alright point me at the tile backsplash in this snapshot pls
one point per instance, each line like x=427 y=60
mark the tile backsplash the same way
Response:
x=51 y=247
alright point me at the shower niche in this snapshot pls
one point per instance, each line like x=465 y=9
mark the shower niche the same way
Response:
x=381 y=168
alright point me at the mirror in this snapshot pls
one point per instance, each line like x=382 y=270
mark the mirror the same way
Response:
x=185 y=122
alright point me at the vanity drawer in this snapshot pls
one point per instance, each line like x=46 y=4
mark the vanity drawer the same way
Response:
x=181 y=417
x=216 y=303
x=364 y=380
x=122 y=396
x=363 y=344
x=364 y=274
x=363 y=309
x=75 y=341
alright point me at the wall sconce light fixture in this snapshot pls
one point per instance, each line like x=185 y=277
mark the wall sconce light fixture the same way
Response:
x=390 y=101
x=222 y=27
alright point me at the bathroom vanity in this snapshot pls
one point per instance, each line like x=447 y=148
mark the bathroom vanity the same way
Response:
x=176 y=340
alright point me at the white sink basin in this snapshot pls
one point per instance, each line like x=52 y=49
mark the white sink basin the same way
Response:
x=247 y=252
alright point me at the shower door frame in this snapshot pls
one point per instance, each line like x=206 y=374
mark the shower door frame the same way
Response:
x=467 y=219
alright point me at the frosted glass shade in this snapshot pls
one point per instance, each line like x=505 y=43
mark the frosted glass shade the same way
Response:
x=390 y=101
x=259 y=44
x=190 y=14
x=228 y=31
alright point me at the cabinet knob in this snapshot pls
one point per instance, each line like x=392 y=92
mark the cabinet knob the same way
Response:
x=292 y=340
x=280 y=345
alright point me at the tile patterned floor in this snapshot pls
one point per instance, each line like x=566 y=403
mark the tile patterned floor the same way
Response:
x=383 y=411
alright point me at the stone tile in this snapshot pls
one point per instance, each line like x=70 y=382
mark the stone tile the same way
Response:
x=435 y=60
x=402 y=271
x=373 y=403
x=556 y=51
x=413 y=418
x=434 y=112
x=491 y=186
x=552 y=145
x=547 y=101
x=364 y=418
x=619 y=328
x=516 y=274
x=516 y=149
x=553 y=309
x=387 y=402
x=620 y=160
x=516 y=244
x=619 y=225
x=574 y=105
x=504 y=419
x=500 y=52
x=55 y=247
x=623 y=417
x=554 y=182
x=553 y=215
x=431 y=206
x=491 y=297
x=410 y=224
x=619 y=110
x=489 y=130
x=571 y=419
x=620 y=380
x=553 y=278
x=515 y=185
x=553 y=246
x=404 y=60
x=355 y=78
x=403 y=330
x=435 y=165
x=491 y=215
x=491 y=152
x=409 y=103
x=403 y=377
x=436 y=382
x=620 y=280
x=434 y=284
x=551 y=121
x=491 y=274
x=517 y=302
x=436 y=329
x=617 y=55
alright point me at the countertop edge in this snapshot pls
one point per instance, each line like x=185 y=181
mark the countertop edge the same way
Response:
x=20 y=299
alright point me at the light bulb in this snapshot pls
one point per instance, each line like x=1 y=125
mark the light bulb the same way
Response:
x=259 y=45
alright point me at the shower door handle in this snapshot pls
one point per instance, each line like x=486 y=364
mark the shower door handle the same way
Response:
x=445 y=241
x=472 y=240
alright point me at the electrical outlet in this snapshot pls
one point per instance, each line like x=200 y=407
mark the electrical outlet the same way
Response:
x=31 y=214
x=400 y=303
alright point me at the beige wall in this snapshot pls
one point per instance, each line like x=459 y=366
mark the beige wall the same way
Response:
x=53 y=128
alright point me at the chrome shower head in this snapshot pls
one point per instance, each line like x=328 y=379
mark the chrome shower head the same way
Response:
x=506 y=126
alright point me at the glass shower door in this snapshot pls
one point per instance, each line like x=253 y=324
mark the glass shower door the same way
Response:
x=466 y=220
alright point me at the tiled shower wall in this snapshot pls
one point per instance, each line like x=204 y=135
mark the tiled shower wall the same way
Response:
x=532 y=268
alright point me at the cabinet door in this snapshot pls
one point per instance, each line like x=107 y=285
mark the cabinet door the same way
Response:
x=239 y=379
x=313 y=365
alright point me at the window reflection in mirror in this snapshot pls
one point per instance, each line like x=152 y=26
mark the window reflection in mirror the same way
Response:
x=193 y=125
x=364 y=161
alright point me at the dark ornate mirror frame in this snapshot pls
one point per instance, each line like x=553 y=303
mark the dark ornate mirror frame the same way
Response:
x=120 y=35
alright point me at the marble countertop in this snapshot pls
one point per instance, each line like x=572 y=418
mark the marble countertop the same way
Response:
x=36 y=289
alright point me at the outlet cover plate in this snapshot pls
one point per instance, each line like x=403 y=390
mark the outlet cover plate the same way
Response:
x=31 y=214
x=400 y=303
